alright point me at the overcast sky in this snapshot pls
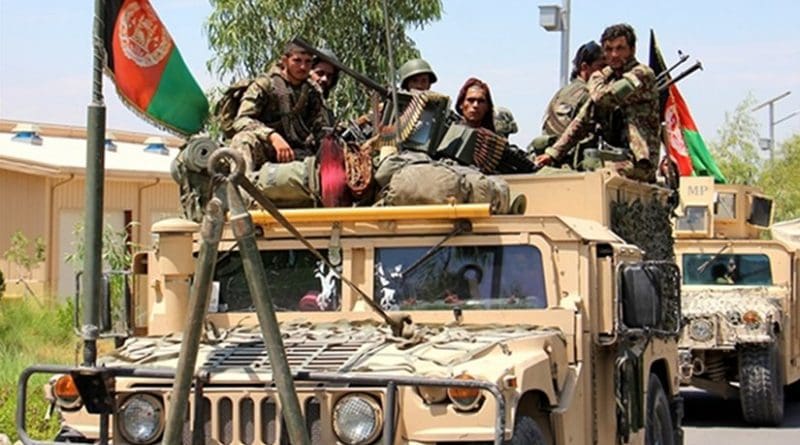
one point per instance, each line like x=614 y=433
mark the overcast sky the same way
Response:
x=745 y=47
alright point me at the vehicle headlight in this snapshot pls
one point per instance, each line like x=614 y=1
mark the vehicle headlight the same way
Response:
x=357 y=419
x=701 y=329
x=141 y=419
x=465 y=398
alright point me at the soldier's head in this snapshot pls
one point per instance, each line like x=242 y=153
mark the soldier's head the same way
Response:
x=295 y=64
x=619 y=45
x=324 y=73
x=474 y=103
x=588 y=59
x=504 y=122
x=416 y=74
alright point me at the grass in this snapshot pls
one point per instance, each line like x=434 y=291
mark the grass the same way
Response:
x=31 y=333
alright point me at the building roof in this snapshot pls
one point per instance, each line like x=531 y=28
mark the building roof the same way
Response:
x=63 y=151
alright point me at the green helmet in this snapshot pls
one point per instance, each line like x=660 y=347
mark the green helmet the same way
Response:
x=504 y=122
x=414 y=67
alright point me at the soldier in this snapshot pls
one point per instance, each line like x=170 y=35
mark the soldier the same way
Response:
x=504 y=123
x=325 y=76
x=280 y=116
x=416 y=74
x=567 y=101
x=474 y=104
x=625 y=88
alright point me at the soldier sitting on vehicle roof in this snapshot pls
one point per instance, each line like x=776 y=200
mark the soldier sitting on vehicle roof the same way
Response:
x=566 y=103
x=625 y=89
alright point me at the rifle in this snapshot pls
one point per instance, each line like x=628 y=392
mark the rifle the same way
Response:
x=360 y=78
x=663 y=75
x=664 y=82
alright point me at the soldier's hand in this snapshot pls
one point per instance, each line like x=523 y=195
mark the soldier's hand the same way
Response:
x=543 y=160
x=283 y=151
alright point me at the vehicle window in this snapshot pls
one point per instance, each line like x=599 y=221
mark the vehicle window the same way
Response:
x=296 y=280
x=472 y=277
x=730 y=269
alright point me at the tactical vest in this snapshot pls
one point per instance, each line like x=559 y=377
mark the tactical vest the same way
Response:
x=292 y=114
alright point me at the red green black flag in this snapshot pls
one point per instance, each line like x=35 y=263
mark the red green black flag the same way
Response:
x=148 y=70
x=685 y=146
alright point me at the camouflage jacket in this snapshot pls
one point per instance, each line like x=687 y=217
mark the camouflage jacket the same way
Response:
x=271 y=103
x=564 y=106
x=633 y=92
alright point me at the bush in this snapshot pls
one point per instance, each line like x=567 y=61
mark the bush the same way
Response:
x=31 y=334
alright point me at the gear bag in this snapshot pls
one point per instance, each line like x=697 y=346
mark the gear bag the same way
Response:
x=226 y=109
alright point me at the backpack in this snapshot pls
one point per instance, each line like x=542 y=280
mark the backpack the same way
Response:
x=227 y=107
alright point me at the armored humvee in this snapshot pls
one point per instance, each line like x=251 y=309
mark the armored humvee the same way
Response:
x=566 y=333
x=739 y=297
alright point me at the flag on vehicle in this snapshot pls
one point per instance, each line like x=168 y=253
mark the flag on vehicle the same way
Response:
x=148 y=70
x=685 y=146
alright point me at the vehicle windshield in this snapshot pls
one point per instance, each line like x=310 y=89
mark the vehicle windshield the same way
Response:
x=296 y=280
x=471 y=277
x=727 y=269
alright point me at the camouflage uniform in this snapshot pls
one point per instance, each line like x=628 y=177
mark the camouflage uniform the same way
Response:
x=272 y=104
x=634 y=94
x=561 y=110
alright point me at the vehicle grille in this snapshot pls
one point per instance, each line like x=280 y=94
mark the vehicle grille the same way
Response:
x=252 y=419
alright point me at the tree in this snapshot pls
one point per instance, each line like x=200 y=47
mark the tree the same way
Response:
x=779 y=180
x=20 y=254
x=736 y=151
x=248 y=35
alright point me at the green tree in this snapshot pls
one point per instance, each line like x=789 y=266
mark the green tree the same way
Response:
x=247 y=35
x=779 y=179
x=21 y=254
x=736 y=150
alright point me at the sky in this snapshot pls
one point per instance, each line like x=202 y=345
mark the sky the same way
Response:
x=746 y=48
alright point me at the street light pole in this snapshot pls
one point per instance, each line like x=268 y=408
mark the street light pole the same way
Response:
x=771 y=104
x=565 y=12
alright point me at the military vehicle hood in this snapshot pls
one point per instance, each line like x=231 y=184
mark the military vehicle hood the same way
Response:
x=724 y=300
x=238 y=355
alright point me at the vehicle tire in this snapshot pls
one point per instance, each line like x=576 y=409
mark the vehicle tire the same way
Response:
x=761 y=385
x=659 y=429
x=526 y=432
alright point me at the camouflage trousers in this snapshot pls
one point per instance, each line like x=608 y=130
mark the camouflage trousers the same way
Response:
x=256 y=149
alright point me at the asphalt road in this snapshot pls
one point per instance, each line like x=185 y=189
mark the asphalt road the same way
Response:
x=713 y=420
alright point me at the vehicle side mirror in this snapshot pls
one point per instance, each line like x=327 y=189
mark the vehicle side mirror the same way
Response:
x=640 y=289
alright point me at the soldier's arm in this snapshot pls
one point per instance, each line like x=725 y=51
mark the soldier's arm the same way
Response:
x=607 y=91
x=576 y=131
x=255 y=99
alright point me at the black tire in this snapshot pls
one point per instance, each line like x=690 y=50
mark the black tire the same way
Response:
x=526 y=432
x=761 y=385
x=659 y=429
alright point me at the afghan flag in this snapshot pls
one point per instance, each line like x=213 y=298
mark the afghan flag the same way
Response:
x=148 y=70
x=685 y=146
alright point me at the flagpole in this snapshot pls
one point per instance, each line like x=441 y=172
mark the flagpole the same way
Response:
x=93 y=194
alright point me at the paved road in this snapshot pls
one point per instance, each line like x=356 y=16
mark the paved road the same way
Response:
x=712 y=420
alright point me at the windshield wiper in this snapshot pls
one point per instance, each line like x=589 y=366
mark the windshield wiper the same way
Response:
x=461 y=226
x=702 y=267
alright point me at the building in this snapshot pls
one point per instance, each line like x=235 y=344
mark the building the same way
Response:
x=42 y=177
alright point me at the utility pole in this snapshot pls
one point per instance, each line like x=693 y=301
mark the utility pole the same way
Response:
x=556 y=18
x=772 y=123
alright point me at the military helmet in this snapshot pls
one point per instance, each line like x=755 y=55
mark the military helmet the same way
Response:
x=414 y=67
x=504 y=122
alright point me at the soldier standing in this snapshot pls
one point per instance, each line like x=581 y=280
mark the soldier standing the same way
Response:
x=566 y=103
x=280 y=116
x=626 y=88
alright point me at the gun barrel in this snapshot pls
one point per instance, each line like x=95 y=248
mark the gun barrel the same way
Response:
x=688 y=71
x=662 y=75
x=360 y=78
